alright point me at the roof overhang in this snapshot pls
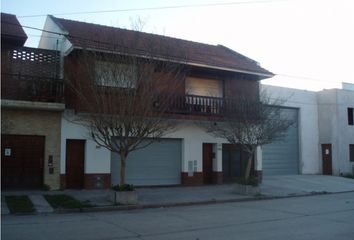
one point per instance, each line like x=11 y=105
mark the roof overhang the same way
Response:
x=179 y=61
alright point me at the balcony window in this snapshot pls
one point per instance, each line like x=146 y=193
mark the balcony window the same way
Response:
x=204 y=87
x=109 y=74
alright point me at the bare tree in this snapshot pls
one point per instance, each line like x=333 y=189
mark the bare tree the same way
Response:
x=122 y=97
x=251 y=123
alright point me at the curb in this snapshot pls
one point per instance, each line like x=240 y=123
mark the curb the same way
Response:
x=176 y=204
x=192 y=203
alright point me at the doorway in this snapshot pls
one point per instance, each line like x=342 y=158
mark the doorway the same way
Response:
x=22 y=161
x=231 y=162
x=207 y=163
x=75 y=157
x=326 y=159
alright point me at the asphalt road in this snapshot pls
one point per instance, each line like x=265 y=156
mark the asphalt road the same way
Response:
x=315 y=217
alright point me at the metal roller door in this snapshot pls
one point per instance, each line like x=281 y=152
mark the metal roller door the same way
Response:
x=282 y=157
x=157 y=164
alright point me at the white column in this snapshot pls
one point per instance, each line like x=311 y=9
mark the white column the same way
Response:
x=217 y=164
x=258 y=162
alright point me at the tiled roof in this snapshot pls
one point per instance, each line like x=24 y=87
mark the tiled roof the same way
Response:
x=11 y=28
x=104 y=38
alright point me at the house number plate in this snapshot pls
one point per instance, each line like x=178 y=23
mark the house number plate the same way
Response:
x=7 y=152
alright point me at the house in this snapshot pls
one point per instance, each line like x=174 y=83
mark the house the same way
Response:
x=189 y=155
x=325 y=132
x=31 y=108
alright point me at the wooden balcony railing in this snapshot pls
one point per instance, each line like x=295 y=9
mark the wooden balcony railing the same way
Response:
x=203 y=105
x=31 y=88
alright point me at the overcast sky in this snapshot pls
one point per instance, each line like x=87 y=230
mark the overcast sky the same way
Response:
x=309 y=43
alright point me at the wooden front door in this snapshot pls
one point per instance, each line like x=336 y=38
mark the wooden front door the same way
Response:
x=327 y=159
x=22 y=159
x=231 y=162
x=207 y=163
x=75 y=157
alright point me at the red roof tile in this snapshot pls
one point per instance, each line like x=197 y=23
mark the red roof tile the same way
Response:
x=11 y=29
x=99 y=37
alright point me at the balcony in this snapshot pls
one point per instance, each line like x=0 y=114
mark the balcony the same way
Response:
x=31 y=88
x=203 y=105
x=30 y=74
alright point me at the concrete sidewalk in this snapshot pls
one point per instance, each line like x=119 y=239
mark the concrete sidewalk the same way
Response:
x=275 y=186
x=292 y=185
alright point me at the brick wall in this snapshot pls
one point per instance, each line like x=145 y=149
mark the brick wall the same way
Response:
x=44 y=123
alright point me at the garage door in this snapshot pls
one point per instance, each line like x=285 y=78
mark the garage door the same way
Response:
x=157 y=164
x=22 y=161
x=282 y=157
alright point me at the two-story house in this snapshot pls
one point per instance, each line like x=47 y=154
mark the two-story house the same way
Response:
x=189 y=155
x=31 y=108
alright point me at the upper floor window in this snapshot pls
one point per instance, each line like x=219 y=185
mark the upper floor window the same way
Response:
x=351 y=152
x=351 y=116
x=204 y=87
x=111 y=74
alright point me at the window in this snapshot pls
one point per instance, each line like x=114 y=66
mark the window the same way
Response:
x=204 y=87
x=111 y=74
x=351 y=116
x=351 y=152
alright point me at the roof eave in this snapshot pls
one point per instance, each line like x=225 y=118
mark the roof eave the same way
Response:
x=261 y=75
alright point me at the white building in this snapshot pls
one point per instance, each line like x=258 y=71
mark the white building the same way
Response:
x=325 y=128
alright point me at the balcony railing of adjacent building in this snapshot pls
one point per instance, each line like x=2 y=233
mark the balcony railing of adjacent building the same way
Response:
x=31 y=74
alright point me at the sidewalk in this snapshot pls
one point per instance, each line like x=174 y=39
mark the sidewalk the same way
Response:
x=272 y=187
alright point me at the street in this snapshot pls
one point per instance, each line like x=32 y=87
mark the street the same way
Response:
x=316 y=217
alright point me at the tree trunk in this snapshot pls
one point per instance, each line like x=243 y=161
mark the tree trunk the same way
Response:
x=249 y=162
x=123 y=158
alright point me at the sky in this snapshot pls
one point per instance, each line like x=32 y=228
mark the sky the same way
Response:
x=309 y=44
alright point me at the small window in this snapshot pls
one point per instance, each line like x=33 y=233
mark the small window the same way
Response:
x=351 y=152
x=351 y=116
x=111 y=74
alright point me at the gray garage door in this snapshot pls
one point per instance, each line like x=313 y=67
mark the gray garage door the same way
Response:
x=282 y=157
x=157 y=164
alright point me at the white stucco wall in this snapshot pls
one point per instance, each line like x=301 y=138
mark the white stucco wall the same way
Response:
x=193 y=138
x=345 y=100
x=306 y=102
x=53 y=41
x=334 y=128
x=97 y=160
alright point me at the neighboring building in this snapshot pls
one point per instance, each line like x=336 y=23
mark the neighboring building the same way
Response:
x=31 y=107
x=188 y=156
x=336 y=130
x=324 y=140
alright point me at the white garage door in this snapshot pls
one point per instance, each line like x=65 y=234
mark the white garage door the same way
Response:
x=282 y=157
x=157 y=164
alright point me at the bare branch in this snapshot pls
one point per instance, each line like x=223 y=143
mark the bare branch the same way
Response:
x=122 y=99
x=252 y=123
